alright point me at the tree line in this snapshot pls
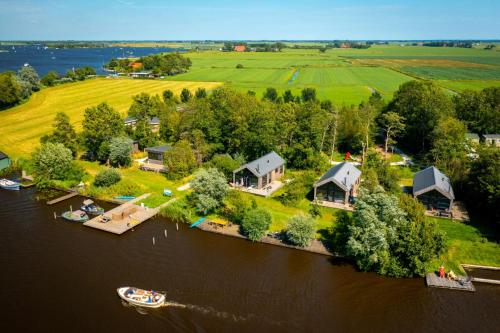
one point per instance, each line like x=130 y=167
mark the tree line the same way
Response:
x=16 y=87
x=158 y=64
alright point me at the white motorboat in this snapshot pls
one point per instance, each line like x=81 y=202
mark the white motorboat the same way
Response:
x=140 y=297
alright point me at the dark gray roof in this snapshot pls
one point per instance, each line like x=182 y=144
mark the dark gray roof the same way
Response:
x=472 y=136
x=492 y=136
x=3 y=155
x=344 y=175
x=158 y=149
x=129 y=120
x=432 y=179
x=152 y=121
x=264 y=164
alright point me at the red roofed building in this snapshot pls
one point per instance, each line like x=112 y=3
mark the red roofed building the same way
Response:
x=240 y=48
x=136 y=65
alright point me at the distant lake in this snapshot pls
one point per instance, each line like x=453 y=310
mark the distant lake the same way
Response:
x=62 y=60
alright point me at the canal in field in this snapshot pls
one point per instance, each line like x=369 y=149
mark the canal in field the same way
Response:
x=60 y=276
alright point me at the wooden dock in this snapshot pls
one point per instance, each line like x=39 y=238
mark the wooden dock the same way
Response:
x=433 y=280
x=125 y=216
x=64 y=197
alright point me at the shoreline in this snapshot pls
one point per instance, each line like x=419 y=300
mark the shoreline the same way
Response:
x=315 y=246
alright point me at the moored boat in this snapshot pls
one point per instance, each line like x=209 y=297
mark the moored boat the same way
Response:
x=75 y=216
x=7 y=184
x=90 y=207
x=140 y=297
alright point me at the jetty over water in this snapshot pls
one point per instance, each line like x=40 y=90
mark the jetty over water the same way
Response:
x=126 y=216
x=64 y=197
x=433 y=280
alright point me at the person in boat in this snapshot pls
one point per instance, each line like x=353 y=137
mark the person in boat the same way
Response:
x=451 y=275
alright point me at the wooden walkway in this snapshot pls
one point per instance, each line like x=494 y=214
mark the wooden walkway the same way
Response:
x=64 y=197
x=433 y=280
x=125 y=216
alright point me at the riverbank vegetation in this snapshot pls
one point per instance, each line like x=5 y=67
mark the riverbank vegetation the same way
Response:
x=159 y=64
x=211 y=133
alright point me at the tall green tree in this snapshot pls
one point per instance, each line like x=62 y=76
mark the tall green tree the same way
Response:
x=271 y=94
x=422 y=104
x=483 y=187
x=392 y=125
x=50 y=79
x=185 y=95
x=308 y=95
x=201 y=93
x=51 y=161
x=120 y=150
x=209 y=189
x=479 y=110
x=10 y=91
x=64 y=133
x=29 y=75
x=100 y=124
x=449 y=148
x=288 y=96
x=180 y=160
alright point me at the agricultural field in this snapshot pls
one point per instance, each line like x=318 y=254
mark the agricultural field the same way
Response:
x=22 y=126
x=347 y=76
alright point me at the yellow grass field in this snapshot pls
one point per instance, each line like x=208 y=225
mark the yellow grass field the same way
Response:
x=22 y=126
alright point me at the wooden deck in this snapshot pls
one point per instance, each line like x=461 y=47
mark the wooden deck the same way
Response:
x=64 y=197
x=125 y=216
x=433 y=280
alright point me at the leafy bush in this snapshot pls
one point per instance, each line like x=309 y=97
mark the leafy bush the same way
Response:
x=239 y=66
x=209 y=189
x=52 y=161
x=107 y=178
x=300 y=230
x=120 y=150
x=225 y=164
x=255 y=223
x=297 y=189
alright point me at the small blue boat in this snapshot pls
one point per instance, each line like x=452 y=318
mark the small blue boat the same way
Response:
x=125 y=197
x=197 y=223
x=11 y=185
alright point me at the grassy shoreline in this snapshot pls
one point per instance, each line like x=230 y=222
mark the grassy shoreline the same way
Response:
x=467 y=243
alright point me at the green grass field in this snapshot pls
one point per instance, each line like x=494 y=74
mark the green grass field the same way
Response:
x=22 y=126
x=346 y=76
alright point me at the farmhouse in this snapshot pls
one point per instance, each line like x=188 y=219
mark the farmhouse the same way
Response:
x=261 y=172
x=4 y=161
x=154 y=162
x=240 y=48
x=492 y=140
x=433 y=189
x=338 y=184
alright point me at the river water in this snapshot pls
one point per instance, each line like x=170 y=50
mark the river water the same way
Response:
x=61 y=276
x=63 y=60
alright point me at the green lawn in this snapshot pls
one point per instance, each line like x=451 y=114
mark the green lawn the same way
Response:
x=466 y=245
x=134 y=182
x=23 y=125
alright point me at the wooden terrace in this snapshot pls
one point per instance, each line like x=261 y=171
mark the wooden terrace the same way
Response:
x=125 y=217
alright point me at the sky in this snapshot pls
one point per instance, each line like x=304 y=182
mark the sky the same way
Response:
x=248 y=20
